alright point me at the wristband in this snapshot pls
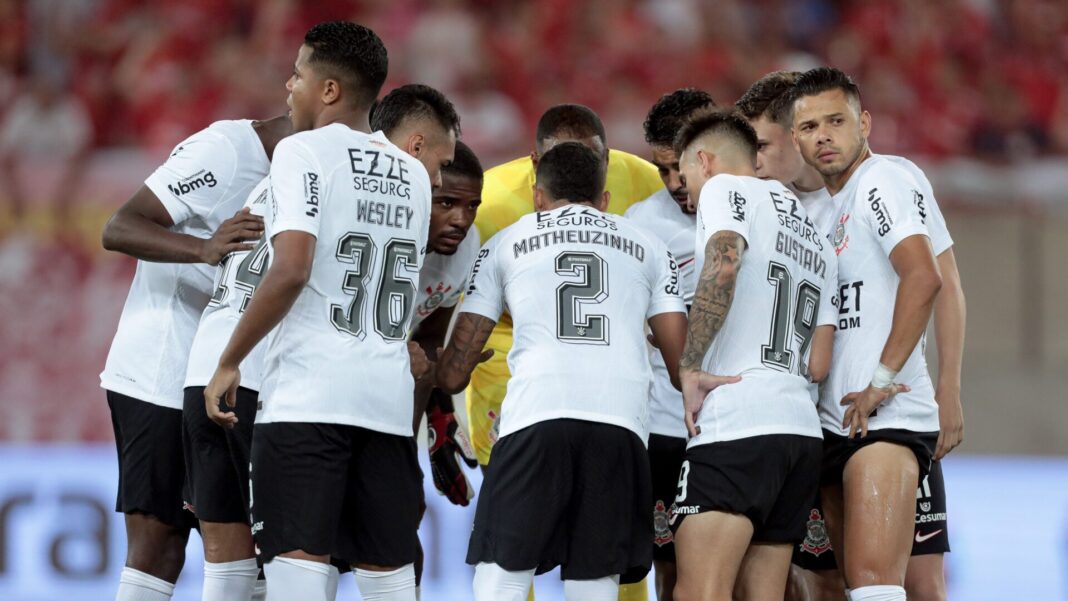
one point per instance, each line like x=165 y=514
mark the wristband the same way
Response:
x=883 y=377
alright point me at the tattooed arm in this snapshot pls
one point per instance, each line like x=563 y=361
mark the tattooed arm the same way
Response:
x=711 y=302
x=464 y=352
x=713 y=297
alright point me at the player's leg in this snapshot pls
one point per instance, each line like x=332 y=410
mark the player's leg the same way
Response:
x=704 y=576
x=764 y=572
x=925 y=578
x=665 y=460
x=384 y=480
x=521 y=513
x=216 y=463
x=608 y=522
x=878 y=495
x=151 y=474
x=298 y=473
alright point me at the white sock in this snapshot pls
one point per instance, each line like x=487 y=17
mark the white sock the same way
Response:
x=139 y=586
x=878 y=592
x=601 y=589
x=398 y=585
x=231 y=580
x=259 y=590
x=331 y=585
x=289 y=579
x=494 y=583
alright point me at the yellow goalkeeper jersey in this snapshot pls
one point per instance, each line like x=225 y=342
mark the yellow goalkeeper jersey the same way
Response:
x=507 y=195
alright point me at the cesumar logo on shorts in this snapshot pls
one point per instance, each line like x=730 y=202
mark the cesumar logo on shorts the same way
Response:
x=311 y=193
x=196 y=181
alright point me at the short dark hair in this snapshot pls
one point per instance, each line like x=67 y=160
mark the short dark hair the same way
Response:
x=728 y=123
x=464 y=163
x=770 y=97
x=571 y=171
x=824 y=79
x=671 y=111
x=410 y=102
x=575 y=119
x=352 y=54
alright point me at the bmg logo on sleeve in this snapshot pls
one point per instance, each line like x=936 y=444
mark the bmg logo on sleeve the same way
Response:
x=311 y=193
x=198 y=180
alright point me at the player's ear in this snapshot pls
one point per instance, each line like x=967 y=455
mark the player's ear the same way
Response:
x=540 y=201
x=707 y=161
x=865 y=123
x=602 y=203
x=534 y=159
x=416 y=145
x=331 y=91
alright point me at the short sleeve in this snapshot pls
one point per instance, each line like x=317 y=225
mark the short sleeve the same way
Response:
x=195 y=177
x=941 y=241
x=297 y=189
x=888 y=200
x=829 y=301
x=723 y=206
x=485 y=293
x=666 y=294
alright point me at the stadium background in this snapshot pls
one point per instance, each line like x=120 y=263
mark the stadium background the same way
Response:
x=95 y=93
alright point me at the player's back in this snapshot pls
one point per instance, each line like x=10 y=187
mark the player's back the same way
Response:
x=579 y=285
x=783 y=290
x=340 y=354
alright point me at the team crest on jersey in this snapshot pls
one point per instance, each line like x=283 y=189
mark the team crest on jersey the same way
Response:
x=661 y=525
x=816 y=540
x=840 y=240
x=436 y=294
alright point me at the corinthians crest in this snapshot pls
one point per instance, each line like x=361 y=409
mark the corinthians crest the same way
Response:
x=840 y=240
x=816 y=540
x=661 y=531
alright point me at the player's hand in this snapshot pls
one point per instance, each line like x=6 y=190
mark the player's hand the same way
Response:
x=233 y=235
x=696 y=385
x=448 y=445
x=222 y=388
x=862 y=403
x=950 y=421
x=420 y=363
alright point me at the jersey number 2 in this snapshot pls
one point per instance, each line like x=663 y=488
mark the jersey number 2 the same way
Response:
x=393 y=302
x=777 y=354
x=572 y=326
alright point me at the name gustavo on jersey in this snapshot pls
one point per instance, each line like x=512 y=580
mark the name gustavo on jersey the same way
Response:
x=379 y=173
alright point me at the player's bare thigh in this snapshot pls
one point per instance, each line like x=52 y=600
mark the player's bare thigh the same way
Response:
x=764 y=572
x=879 y=500
x=704 y=576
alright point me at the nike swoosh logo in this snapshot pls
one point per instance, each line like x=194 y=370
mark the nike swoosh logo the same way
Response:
x=925 y=537
x=685 y=263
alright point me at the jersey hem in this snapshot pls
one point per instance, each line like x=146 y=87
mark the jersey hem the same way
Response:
x=139 y=395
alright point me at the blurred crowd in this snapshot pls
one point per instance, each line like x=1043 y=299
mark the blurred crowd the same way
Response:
x=987 y=78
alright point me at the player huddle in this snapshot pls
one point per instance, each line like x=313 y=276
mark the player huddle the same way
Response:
x=296 y=282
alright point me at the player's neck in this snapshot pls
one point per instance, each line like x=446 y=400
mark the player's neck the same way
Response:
x=738 y=168
x=353 y=119
x=271 y=132
x=810 y=180
x=836 y=182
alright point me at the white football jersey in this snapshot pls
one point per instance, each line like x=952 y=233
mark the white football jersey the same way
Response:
x=340 y=355
x=236 y=279
x=824 y=212
x=785 y=289
x=660 y=215
x=204 y=182
x=880 y=206
x=443 y=278
x=580 y=285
